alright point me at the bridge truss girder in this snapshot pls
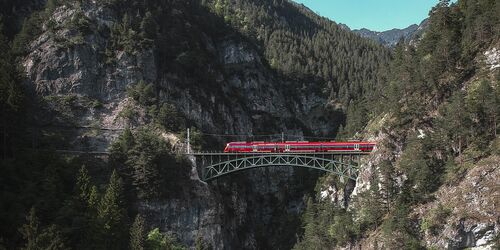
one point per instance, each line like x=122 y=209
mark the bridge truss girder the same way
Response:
x=217 y=165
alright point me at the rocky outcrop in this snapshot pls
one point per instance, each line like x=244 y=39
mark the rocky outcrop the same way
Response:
x=473 y=220
x=82 y=87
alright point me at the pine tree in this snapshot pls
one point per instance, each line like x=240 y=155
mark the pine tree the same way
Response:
x=83 y=184
x=30 y=230
x=10 y=94
x=51 y=238
x=416 y=165
x=37 y=238
x=388 y=189
x=149 y=27
x=483 y=108
x=455 y=121
x=138 y=234
x=111 y=214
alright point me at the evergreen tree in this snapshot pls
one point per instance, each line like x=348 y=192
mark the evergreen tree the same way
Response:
x=138 y=234
x=149 y=27
x=388 y=190
x=111 y=214
x=30 y=29
x=10 y=94
x=397 y=230
x=417 y=166
x=30 y=230
x=168 y=117
x=455 y=122
x=83 y=184
x=37 y=238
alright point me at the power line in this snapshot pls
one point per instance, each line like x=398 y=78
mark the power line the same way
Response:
x=278 y=136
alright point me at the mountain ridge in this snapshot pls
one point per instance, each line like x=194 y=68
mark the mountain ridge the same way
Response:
x=391 y=37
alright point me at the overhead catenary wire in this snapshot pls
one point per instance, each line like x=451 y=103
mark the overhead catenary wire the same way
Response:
x=278 y=136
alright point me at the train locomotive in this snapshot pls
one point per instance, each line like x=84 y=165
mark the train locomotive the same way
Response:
x=297 y=146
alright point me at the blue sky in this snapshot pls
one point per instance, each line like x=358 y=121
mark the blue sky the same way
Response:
x=378 y=15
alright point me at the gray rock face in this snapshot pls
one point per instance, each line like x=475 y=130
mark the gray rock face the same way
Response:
x=244 y=98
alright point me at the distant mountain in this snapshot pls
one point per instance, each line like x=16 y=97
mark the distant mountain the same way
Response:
x=391 y=37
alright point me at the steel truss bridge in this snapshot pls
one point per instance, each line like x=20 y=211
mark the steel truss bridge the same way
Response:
x=344 y=164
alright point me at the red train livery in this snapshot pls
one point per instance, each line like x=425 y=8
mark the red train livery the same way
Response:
x=297 y=146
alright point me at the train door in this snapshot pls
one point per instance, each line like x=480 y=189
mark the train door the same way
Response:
x=254 y=148
x=287 y=148
x=356 y=147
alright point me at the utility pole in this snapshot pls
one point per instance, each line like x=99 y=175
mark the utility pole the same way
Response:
x=188 y=145
x=282 y=136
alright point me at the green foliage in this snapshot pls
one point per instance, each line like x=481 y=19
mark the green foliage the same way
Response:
x=148 y=157
x=201 y=244
x=422 y=170
x=326 y=226
x=83 y=184
x=36 y=238
x=158 y=241
x=369 y=207
x=455 y=122
x=454 y=171
x=495 y=146
x=343 y=229
x=142 y=93
x=302 y=46
x=132 y=34
x=168 y=117
x=484 y=105
x=149 y=27
x=10 y=93
x=30 y=230
x=80 y=22
x=435 y=219
x=197 y=140
x=31 y=28
x=111 y=214
x=128 y=113
x=397 y=230
x=138 y=234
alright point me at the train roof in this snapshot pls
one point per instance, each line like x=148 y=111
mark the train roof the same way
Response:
x=304 y=142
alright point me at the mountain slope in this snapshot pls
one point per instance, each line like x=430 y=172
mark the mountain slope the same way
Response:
x=391 y=37
x=126 y=78
x=430 y=183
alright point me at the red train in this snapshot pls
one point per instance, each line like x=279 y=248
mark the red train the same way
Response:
x=297 y=146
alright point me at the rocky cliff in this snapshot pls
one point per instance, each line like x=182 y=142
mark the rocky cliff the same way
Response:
x=81 y=84
x=462 y=213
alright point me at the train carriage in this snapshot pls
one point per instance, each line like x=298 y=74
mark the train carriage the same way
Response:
x=297 y=146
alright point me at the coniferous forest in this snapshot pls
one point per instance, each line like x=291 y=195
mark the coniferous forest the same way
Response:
x=96 y=98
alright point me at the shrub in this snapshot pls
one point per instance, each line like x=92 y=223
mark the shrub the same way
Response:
x=434 y=221
x=142 y=93
x=158 y=241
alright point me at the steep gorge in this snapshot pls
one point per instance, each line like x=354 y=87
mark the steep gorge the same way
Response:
x=87 y=58
x=128 y=77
